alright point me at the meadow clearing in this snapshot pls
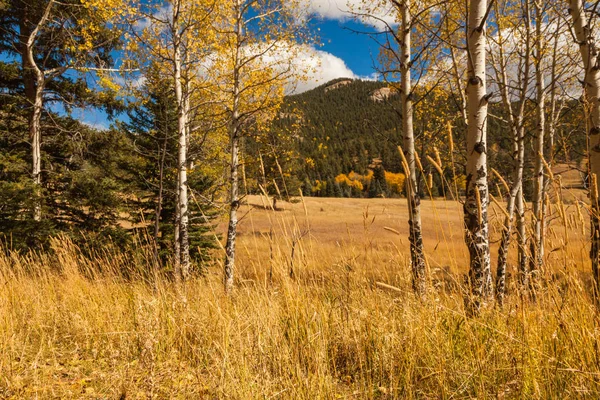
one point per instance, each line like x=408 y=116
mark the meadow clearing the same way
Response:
x=322 y=310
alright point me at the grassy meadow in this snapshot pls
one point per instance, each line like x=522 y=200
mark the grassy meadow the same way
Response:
x=322 y=310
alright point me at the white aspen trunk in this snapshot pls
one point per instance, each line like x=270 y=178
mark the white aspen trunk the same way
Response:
x=35 y=131
x=184 y=198
x=234 y=133
x=511 y=204
x=522 y=266
x=176 y=237
x=517 y=179
x=476 y=201
x=233 y=220
x=516 y=123
x=181 y=96
x=537 y=243
x=589 y=55
x=419 y=279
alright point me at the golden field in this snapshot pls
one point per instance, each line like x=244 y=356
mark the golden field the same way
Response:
x=322 y=310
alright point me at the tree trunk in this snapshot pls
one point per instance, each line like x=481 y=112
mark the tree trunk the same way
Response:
x=589 y=55
x=233 y=207
x=476 y=201
x=35 y=133
x=511 y=203
x=522 y=266
x=234 y=132
x=177 y=236
x=516 y=123
x=34 y=82
x=537 y=244
x=417 y=257
x=505 y=239
x=181 y=98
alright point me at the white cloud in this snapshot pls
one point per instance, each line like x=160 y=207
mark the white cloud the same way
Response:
x=332 y=9
x=341 y=10
x=315 y=67
x=567 y=61
x=322 y=67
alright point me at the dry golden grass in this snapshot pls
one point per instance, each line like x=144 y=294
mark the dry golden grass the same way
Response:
x=336 y=227
x=331 y=330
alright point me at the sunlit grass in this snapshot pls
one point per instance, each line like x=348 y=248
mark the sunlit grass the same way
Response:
x=344 y=324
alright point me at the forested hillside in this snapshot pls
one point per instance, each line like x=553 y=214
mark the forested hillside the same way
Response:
x=344 y=128
x=351 y=129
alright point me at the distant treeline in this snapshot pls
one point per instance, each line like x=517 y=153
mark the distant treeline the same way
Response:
x=340 y=141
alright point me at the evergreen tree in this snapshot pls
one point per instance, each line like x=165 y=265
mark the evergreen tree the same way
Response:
x=337 y=190
x=152 y=130
x=378 y=187
x=306 y=187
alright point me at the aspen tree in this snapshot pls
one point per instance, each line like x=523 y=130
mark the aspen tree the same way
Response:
x=591 y=89
x=396 y=56
x=537 y=242
x=476 y=201
x=255 y=64
x=179 y=39
x=415 y=238
x=181 y=96
x=509 y=31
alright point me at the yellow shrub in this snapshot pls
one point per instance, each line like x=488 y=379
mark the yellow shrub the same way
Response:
x=342 y=178
x=395 y=182
x=319 y=186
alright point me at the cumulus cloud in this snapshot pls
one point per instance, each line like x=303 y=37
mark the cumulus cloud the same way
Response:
x=342 y=10
x=322 y=67
x=567 y=62
x=566 y=76
x=308 y=67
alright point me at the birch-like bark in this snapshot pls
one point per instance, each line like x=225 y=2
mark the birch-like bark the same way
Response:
x=35 y=94
x=176 y=237
x=180 y=96
x=477 y=196
x=517 y=128
x=417 y=257
x=184 y=165
x=234 y=138
x=522 y=267
x=555 y=107
x=556 y=104
x=589 y=56
x=537 y=243
x=513 y=203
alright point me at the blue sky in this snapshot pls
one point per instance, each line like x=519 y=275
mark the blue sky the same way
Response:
x=356 y=50
x=342 y=53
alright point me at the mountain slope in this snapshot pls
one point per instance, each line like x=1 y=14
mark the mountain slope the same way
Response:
x=343 y=129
